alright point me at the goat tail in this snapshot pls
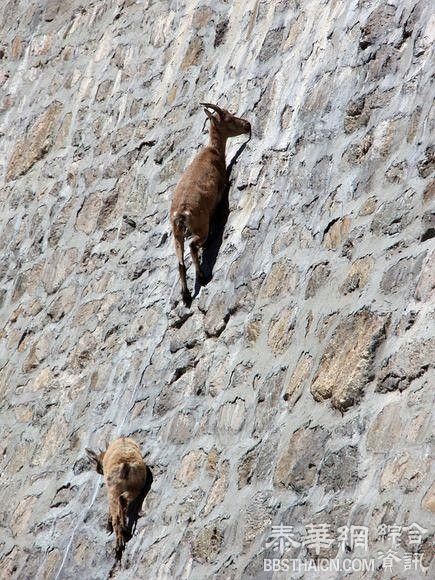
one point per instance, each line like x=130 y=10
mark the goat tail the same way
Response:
x=124 y=471
x=180 y=221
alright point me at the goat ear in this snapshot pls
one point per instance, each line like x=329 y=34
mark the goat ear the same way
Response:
x=95 y=459
x=209 y=115
x=215 y=108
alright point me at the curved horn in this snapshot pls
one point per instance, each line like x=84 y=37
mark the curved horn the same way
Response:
x=218 y=110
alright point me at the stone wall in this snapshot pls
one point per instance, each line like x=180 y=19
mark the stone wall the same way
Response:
x=297 y=388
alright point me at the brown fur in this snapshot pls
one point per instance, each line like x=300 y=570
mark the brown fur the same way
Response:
x=200 y=190
x=128 y=480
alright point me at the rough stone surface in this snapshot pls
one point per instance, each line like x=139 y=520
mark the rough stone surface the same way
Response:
x=322 y=291
x=298 y=463
x=348 y=360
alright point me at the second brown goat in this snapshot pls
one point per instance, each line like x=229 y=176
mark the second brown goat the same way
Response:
x=128 y=480
x=200 y=190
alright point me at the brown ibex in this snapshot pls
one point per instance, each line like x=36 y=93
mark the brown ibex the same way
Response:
x=128 y=481
x=200 y=190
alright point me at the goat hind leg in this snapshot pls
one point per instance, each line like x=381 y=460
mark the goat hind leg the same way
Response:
x=197 y=242
x=179 y=249
x=123 y=505
x=120 y=544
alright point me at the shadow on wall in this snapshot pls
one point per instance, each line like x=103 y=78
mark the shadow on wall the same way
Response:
x=220 y=218
x=135 y=507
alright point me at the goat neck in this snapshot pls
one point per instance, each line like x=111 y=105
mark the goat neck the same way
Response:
x=217 y=141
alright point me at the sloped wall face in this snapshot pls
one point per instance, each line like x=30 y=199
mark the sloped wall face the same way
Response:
x=296 y=389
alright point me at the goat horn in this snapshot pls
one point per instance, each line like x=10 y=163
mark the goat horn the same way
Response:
x=213 y=108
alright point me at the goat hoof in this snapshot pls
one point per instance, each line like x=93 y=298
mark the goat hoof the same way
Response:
x=187 y=298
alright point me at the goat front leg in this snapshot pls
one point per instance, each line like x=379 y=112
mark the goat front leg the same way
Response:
x=197 y=242
x=109 y=526
x=123 y=506
x=179 y=250
x=120 y=544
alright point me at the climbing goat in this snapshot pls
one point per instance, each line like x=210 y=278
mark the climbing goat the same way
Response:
x=128 y=481
x=200 y=190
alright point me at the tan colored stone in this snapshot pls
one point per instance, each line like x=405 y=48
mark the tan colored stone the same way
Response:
x=63 y=132
x=232 y=415
x=41 y=44
x=27 y=282
x=19 y=459
x=404 y=472
x=16 y=314
x=207 y=543
x=6 y=373
x=338 y=231
x=50 y=440
x=17 y=48
x=58 y=267
x=369 y=206
x=22 y=516
x=34 y=308
x=281 y=280
x=109 y=212
x=217 y=381
x=410 y=361
x=429 y=193
x=383 y=137
x=83 y=552
x=86 y=220
x=193 y=52
x=170 y=97
x=318 y=277
x=189 y=467
x=346 y=364
x=85 y=311
x=416 y=427
x=35 y=144
x=296 y=27
x=202 y=16
x=281 y=331
x=428 y=502
x=358 y=274
x=218 y=489
x=104 y=90
x=39 y=351
x=384 y=433
x=257 y=517
x=356 y=152
x=23 y=413
x=63 y=303
x=299 y=376
x=42 y=379
x=181 y=427
x=217 y=316
x=426 y=282
x=253 y=328
x=212 y=460
x=84 y=351
x=51 y=564
x=103 y=280
x=286 y=117
x=299 y=460
x=59 y=221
